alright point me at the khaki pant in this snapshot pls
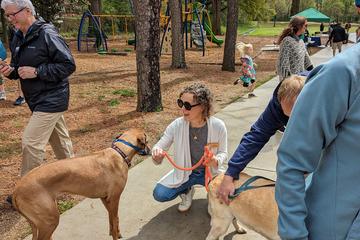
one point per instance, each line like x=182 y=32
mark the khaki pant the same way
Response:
x=336 y=45
x=41 y=129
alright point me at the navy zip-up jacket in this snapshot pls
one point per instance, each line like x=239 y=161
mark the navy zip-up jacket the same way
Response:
x=271 y=120
x=43 y=48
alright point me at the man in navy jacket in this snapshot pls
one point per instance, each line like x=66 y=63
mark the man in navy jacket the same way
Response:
x=274 y=118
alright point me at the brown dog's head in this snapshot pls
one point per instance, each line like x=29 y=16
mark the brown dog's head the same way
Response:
x=136 y=139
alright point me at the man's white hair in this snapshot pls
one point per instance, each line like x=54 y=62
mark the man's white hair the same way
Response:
x=20 y=4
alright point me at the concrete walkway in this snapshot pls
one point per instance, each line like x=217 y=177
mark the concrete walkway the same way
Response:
x=142 y=218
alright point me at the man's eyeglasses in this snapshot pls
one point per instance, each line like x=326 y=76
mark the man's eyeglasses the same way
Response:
x=186 y=105
x=9 y=15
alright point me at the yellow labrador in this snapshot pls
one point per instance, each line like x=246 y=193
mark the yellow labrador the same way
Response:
x=254 y=208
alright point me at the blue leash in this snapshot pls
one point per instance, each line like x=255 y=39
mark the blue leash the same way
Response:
x=246 y=186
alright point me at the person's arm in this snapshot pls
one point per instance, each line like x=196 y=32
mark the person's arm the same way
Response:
x=254 y=140
x=221 y=155
x=251 y=144
x=61 y=63
x=283 y=64
x=331 y=35
x=319 y=110
x=164 y=143
x=307 y=62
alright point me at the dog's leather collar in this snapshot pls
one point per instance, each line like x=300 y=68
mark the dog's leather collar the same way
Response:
x=126 y=159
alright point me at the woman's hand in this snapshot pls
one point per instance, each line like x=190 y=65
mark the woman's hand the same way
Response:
x=27 y=72
x=212 y=162
x=158 y=155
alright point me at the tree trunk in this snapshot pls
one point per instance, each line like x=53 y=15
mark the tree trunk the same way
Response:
x=216 y=17
x=295 y=7
x=231 y=34
x=178 y=52
x=4 y=25
x=147 y=28
x=95 y=6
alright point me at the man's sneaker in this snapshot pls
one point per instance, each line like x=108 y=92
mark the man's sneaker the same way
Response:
x=19 y=101
x=186 y=200
x=9 y=199
x=2 y=95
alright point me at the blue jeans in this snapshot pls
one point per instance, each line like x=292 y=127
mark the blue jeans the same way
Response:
x=164 y=194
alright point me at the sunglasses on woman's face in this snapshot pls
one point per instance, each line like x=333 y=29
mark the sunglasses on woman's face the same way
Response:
x=186 y=105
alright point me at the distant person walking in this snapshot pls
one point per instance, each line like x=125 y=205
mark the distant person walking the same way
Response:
x=347 y=27
x=293 y=56
x=248 y=73
x=2 y=58
x=322 y=28
x=357 y=34
x=331 y=25
x=337 y=37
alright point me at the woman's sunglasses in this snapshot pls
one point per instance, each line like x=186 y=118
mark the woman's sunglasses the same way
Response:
x=186 y=105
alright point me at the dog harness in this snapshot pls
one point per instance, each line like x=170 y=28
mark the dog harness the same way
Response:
x=246 y=186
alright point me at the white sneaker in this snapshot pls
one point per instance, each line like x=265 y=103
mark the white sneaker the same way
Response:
x=2 y=95
x=186 y=200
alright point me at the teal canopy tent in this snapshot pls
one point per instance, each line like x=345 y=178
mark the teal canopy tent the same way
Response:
x=313 y=15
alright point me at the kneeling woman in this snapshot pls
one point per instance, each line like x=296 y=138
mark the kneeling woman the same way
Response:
x=189 y=134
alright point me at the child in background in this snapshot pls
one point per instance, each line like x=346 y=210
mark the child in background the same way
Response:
x=3 y=57
x=247 y=67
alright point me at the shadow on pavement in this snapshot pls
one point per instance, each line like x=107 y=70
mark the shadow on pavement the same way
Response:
x=170 y=224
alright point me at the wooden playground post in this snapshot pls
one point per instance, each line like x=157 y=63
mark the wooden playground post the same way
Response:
x=126 y=31
x=113 y=27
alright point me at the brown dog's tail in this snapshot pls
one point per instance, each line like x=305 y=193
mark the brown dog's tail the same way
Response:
x=14 y=202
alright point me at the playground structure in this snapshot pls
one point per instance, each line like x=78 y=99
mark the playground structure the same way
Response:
x=196 y=19
x=91 y=34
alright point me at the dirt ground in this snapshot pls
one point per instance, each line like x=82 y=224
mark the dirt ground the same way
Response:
x=99 y=110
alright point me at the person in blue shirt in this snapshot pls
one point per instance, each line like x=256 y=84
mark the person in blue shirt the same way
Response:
x=2 y=58
x=322 y=138
x=275 y=117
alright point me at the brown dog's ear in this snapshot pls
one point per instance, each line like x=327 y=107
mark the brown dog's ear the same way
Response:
x=142 y=140
x=118 y=136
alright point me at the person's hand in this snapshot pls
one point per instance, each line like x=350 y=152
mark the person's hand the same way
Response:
x=226 y=187
x=158 y=155
x=5 y=69
x=27 y=72
x=212 y=162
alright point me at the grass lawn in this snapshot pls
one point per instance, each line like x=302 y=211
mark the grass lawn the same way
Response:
x=268 y=29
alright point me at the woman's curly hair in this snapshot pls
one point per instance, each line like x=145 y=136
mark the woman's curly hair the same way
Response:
x=202 y=95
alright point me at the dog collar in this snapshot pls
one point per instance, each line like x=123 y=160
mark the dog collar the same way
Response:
x=126 y=159
x=137 y=149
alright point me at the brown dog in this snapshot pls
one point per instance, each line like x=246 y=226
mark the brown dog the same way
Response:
x=254 y=208
x=100 y=175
